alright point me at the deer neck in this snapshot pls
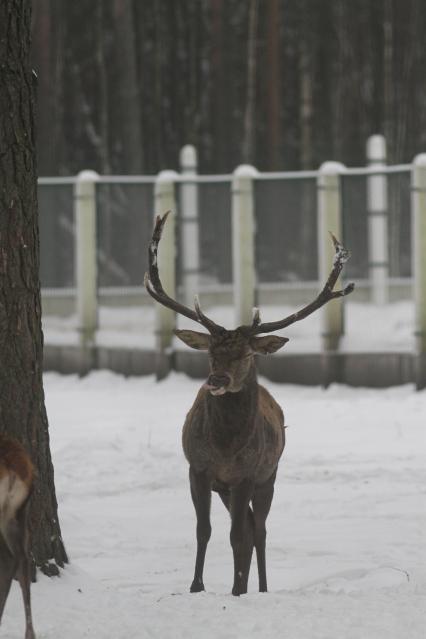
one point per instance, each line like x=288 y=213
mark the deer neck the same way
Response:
x=232 y=416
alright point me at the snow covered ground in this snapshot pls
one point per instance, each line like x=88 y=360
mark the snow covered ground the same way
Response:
x=368 y=327
x=346 y=545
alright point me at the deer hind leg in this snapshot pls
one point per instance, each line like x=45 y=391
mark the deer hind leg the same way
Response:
x=16 y=538
x=226 y=499
x=201 y=497
x=262 y=499
x=7 y=572
x=242 y=534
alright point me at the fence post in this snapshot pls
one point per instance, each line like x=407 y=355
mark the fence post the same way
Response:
x=243 y=234
x=330 y=219
x=418 y=204
x=377 y=207
x=165 y=319
x=189 y=224
x=85 y=248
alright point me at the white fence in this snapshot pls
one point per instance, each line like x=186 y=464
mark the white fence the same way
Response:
x=245 y=195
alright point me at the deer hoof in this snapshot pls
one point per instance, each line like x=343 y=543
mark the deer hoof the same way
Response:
x=197 y=586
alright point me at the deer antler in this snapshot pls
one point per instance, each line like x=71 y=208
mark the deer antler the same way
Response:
x=155 y=289
x=327 y=294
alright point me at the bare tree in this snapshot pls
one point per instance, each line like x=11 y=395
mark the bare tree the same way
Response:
x=131 y=125
x=249 y=135
x=22 y=408
x=273 y=56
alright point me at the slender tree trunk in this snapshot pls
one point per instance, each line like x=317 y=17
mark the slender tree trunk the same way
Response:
x=306 y=98
x=248 y=148
x=388 y=106
x=22 y=409
x=306 y=113
x=274 y=85
x=218 y=149
x=131 y=124
x=104 y=128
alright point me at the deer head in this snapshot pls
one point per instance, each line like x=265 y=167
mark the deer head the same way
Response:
x=231 y=352
x=230 y=355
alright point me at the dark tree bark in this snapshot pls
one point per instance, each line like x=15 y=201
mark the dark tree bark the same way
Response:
x=249 y=135
x=22 y=409
x=244 y=81
x=128 y=87
x=46 y=80
x=306 y=89
x=102 y=67
x=273 y=70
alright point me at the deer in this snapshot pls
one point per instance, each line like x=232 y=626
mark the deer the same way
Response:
x=234 y=434
x=16 y=481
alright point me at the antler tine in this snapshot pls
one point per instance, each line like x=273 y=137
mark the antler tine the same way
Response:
x=256 y=317
x=211 y=326
x=342 y=255
x=154 y=287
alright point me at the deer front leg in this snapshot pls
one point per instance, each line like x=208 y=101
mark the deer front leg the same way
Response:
x=262 y=499
x=241 y=534
x=201 y=497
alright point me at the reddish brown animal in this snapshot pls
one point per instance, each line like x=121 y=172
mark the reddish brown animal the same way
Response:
x=233 y=436
x=16 y=478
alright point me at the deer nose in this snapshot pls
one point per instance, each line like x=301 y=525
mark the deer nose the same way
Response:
x=218 y=380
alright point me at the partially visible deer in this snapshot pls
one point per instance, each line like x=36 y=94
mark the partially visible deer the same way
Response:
x=16 y=478
x=233 y=436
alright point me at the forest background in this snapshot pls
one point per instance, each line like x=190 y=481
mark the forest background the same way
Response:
x=281 y=84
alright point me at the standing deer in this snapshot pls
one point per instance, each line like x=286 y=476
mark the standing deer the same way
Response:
x=233 y=436
x=16 y=478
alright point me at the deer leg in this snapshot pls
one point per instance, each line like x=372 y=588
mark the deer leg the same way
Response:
x=262 y=499
x=226 y=499
x=201 y=497
x=15 y=535
x=241 y=534
x=7 y=572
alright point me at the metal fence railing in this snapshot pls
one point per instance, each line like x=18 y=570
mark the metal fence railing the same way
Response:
x=376 y=207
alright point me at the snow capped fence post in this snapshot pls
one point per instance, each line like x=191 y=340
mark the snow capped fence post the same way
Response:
x=418 y=205
x=329 y=220
x=165 y=319
x=377 y=205
x=189 y=223
x=85 y=248
x=243 y=231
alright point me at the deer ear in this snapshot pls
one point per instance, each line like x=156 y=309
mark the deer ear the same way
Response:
x=267 y=344
x=200 y=341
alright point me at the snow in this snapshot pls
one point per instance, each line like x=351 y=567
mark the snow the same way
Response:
x=367 y=327
x=246 y=171
x=346 y=533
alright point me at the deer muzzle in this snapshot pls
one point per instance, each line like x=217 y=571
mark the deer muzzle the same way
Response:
x=218 y=384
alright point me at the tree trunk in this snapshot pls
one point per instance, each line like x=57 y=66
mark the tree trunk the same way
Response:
x=306 y=91
x=273 y=70
x=248 y=145
x=22 y=409
x=128 y=87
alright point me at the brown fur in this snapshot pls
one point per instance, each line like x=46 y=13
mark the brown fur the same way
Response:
x=14 y=459
x=233 y=438
x=233 y=435
x=16 y=477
